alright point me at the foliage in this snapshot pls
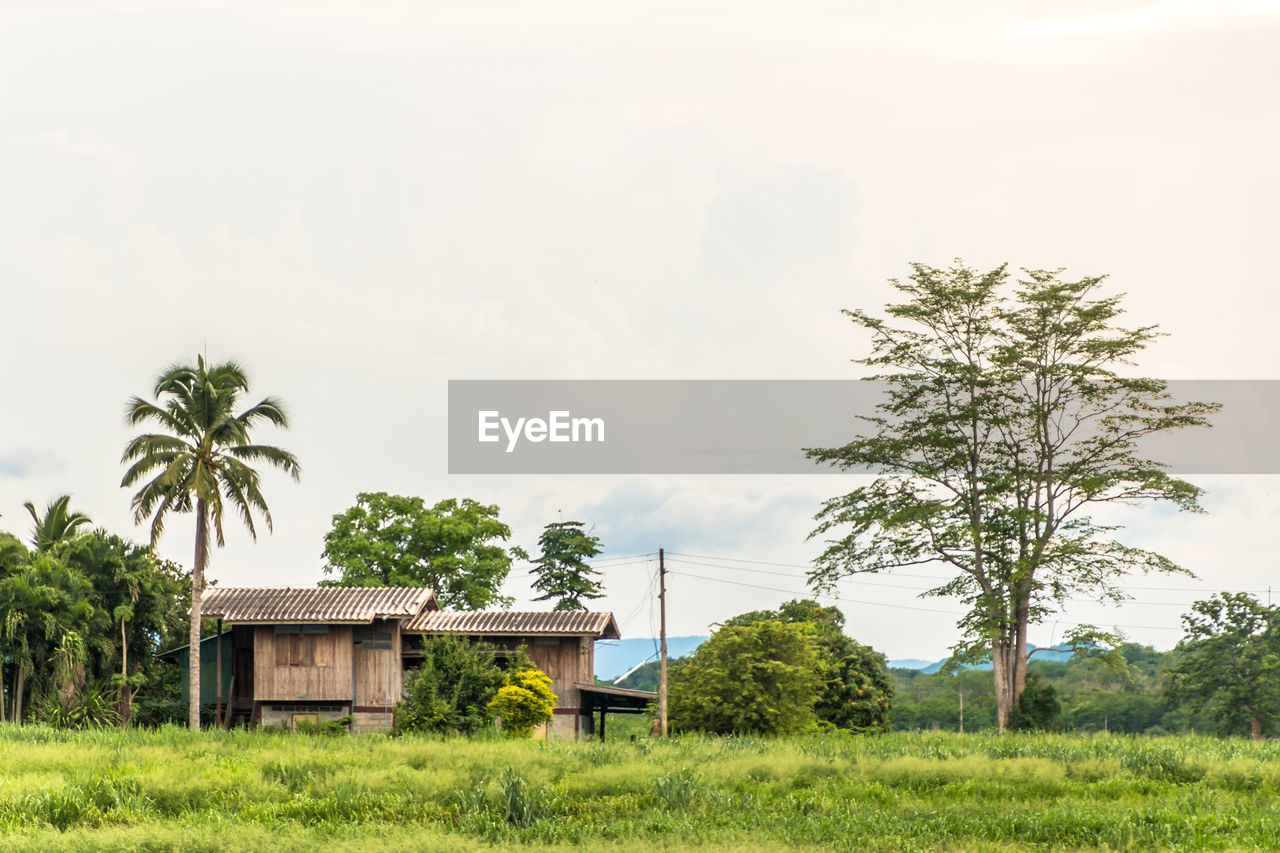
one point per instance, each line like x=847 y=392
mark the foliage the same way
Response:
x=201 y=461
x=449 y=692
x=121 y=604
x=340 y=726
x=57 y=525
x=1037 y=709
x=857 y=689
x=92 y=708
x=524 y=702
x=1229 y=662
x=562 y=570
x=1004 y=423
x=761 y=678
x=390 y=540
x=12 y=553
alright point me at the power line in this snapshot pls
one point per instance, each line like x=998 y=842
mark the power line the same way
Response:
x=831 y=597
x=850 y=580
x=809 y=567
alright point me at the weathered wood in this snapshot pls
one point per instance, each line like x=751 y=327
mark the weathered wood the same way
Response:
x=377 y=672
x=566 y=663
x=315 y=667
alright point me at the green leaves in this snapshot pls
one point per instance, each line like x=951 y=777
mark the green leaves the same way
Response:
x=451 y=547
x=561 y=569
x=761 y=678
x=1229 y=662
x=1005 y=421
x=203 y=452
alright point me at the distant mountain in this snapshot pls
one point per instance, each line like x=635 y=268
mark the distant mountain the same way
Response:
x=1057 y=653
x=615 y=657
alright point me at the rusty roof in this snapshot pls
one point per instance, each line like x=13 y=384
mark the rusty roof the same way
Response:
x=508 y=622
x=349 y=604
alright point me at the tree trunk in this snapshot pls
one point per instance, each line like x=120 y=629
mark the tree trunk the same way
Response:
x=124 y=703
x=1019 y=653
x=1255 y=725
x=197 y=593
x=19 y=685
x=1002 y=671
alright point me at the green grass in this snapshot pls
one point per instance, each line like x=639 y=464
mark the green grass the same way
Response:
x=223 y=791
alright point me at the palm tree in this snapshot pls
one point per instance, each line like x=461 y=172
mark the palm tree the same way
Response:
x=58 y=524
x=201 y=462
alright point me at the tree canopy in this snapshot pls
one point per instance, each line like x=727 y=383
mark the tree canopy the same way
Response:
x=1229 y=662
x=857 y=690
x=80 y=626
x=57 y=524
x=760 y=678
x=451 y=547
x=1004 y=422
x=561 y=570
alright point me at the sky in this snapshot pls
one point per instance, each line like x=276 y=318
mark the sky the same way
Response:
x=361 y=202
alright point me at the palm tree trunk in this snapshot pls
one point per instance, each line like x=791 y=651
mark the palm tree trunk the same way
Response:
x=197 y=593
x=125 y=699
x=20 y=684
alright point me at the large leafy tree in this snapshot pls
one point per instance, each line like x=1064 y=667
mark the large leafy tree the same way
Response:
x=762 y=678
x=202 y=461
x=56 y=525
x=1229 y=662
x=451 y=547
x=1004 y=423
x=561 y=570
x=857 y=690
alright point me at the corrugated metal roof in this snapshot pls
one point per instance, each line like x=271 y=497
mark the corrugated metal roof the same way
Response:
x=353 y=604
x=528 y=624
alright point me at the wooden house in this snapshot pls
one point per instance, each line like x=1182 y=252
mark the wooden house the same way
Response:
x=319 y=654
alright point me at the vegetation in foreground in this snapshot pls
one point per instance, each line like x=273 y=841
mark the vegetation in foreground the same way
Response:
x=173 y=788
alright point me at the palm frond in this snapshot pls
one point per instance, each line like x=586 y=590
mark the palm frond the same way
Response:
x=282 y=459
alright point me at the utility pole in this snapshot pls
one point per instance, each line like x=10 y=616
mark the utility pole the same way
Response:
x=962 y=708
x=662 y=659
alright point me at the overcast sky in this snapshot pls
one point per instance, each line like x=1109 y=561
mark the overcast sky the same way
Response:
x=362 y=201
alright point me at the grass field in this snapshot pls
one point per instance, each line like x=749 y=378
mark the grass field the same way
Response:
x=176 y=790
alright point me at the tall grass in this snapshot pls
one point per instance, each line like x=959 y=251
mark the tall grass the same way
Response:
x=175 y=789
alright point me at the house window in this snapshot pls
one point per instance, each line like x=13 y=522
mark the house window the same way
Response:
x=367 y=638
x=301 y=649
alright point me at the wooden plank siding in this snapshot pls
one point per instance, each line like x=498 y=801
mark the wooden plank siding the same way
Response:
x=302 y=667
x=379 y=672
x=566 y=663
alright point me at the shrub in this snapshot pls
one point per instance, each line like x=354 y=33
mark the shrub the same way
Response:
x=524 y=702
x=761 y=678
x=449 y=692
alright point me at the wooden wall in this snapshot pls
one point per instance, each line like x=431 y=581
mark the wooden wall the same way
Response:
x=570 y=660
x=379 y=672
x=322 y=673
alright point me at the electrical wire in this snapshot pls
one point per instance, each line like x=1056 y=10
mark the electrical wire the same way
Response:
x=945 y=577
x=843 y=599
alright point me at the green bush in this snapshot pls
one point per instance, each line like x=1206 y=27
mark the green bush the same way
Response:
x=458 y=680
x=762 y=678
x=524 y=702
